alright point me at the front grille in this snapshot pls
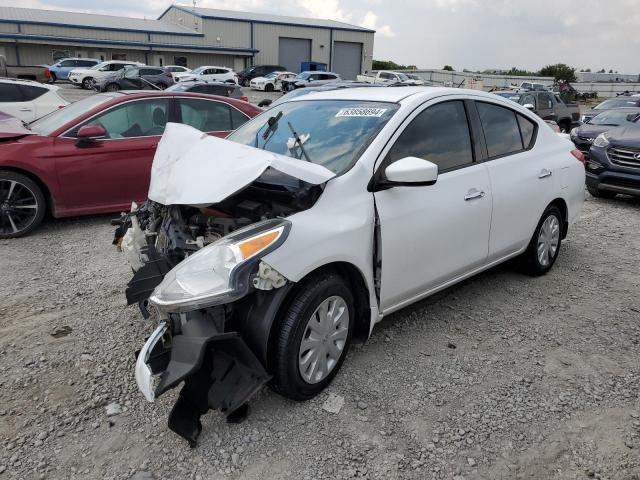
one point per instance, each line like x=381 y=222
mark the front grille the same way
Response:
x=625 y=157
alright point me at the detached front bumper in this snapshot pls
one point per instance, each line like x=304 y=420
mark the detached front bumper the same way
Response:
x=218 y=368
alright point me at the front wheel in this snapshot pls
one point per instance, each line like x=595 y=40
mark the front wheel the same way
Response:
x=314 y=337
x=544 y=246
x=22 y=204
x=87 y=83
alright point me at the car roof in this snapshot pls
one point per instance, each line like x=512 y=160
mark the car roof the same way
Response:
x=24 y=81
x=386 y=94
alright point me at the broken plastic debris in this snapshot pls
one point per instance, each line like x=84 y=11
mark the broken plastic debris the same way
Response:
x=333 y=404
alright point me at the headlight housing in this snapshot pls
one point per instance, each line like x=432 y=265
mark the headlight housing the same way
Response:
x=601 y=141
x=219 y=273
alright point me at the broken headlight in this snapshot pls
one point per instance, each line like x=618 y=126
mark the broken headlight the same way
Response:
x=219 y=273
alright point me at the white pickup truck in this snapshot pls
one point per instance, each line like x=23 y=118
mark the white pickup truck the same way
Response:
x=387 y=76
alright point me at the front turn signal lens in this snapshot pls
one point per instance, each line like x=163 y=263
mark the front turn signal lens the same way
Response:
x=256 y=244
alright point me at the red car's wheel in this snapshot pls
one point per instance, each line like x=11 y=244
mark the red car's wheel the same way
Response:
x=22 y=205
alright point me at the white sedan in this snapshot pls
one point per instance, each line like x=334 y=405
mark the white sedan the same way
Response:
x=208 y=73
x=355 y=203
x=271 y=82
x=29 y=100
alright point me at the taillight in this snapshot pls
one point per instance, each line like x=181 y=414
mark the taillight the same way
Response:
x=578 y=154
x=244 y=98
x=47 y=73
x=61 y=106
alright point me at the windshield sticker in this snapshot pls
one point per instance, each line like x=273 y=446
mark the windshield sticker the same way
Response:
x=361 y=112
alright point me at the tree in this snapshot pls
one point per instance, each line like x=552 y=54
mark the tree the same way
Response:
x=390 y=65
x=448 y=68
x=518 y=72
x=560 y=71
x=610 y=71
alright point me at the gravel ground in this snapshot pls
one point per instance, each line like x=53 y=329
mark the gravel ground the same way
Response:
x=501 y=377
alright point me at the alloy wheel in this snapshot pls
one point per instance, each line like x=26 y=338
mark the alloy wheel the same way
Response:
x=18 y=207
x=548 y=240
x=324 y=339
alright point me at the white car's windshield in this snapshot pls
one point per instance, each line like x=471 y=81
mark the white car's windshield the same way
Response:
x=402 y=77
x=198 y=70
x=333 y=133
x=50 y=123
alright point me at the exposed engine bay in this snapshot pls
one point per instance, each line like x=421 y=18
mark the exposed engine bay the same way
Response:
x=157 y=237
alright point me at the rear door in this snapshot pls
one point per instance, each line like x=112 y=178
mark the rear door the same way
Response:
x=37 y=96
x=521 y=177
x=112 y=172
x=431 y=235
x=13 y=102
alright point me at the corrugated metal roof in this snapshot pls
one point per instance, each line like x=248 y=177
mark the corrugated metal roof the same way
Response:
x=268 y=18
x=89 y=20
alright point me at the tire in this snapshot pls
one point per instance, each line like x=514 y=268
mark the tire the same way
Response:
x=161 y=86
x=596 y=192
x=87 y=83
x=245 y=82
x=268 y=87
x=319 y=292
x=53 y=78
x=22 y=204
x=112 y=87
x=565 y=127
x=540 y=255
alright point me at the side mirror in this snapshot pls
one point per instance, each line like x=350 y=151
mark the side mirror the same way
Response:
x=411 y=171
x=265 y=103
x=529 y=106
x=88 y=134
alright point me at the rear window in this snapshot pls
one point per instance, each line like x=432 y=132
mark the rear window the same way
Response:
x=10 y=92
x=31 y=92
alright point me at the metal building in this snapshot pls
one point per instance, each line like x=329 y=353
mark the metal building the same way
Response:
x=185 y=36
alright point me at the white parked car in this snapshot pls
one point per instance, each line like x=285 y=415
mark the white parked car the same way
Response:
x=177 y=69
x=323 y=215
x=208 y=73
x=29 y=100
x=84 y=77
x=272 y=81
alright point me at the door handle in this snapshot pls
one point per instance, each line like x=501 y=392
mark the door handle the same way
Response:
x=25 y=109
x=473 y=194
x=544 y=173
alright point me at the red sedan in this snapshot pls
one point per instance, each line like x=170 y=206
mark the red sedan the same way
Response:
x=95 y=155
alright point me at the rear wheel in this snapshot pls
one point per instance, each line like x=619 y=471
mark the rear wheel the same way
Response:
x=87 y=83
x=245 y=82
x=596 y=192
x=314 y=337
x=544 y=246
x=22 y=204
x=161 y=86
x=112 y=87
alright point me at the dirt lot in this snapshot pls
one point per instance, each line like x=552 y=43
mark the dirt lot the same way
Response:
x=502 y=377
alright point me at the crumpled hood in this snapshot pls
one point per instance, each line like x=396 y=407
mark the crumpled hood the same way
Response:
x=193 y=168
x=587 y=130
x=12 y=127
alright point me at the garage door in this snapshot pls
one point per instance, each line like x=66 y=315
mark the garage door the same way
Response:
x=347 y=59
x=294 y=51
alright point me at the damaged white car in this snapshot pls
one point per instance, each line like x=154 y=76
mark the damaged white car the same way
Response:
x=266 y=253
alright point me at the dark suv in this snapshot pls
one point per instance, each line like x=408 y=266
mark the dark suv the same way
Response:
x=223 y=89
x=135 y=78
x=245 y=76
x=614 y=162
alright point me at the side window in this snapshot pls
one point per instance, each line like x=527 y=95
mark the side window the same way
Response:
x=132 y=73
x=206 y=115
x=238 y=118
x=10 y=93
x=500 y=128
x=527 y=130
x=31 y=93
x=67 y=63
x=142 y=118
x=385 y=76
x=86 y=63
x=529 y=100
x=545 y=100
x=439 y=134
x=150 y=71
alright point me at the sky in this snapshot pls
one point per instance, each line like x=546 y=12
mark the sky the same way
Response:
x=472 y=34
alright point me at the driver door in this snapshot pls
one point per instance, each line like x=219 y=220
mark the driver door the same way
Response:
x=108 y=174
x=431 y=235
